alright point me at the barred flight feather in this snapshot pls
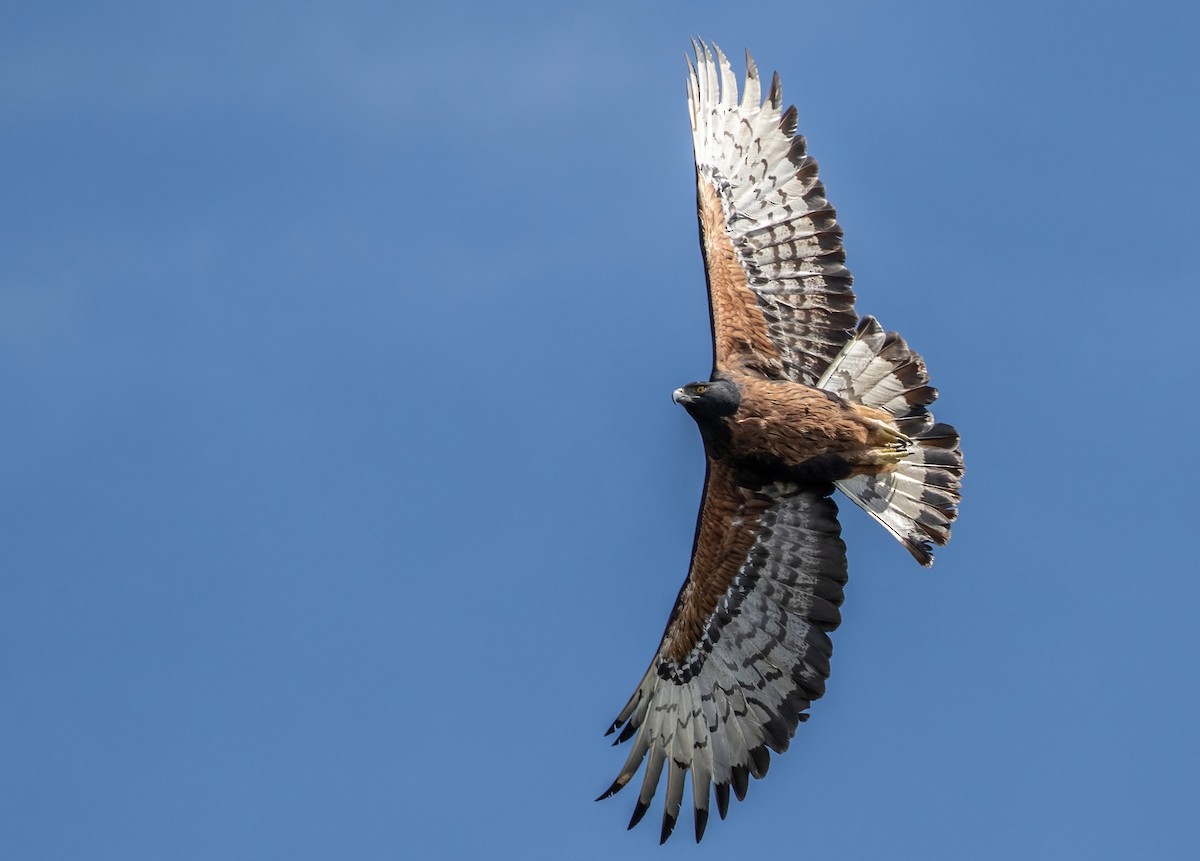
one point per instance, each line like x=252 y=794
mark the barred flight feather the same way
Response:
x=746 y=649
x=762 y=661
x=783 y=230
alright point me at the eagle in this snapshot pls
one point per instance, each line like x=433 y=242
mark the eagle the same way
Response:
x=803 y=398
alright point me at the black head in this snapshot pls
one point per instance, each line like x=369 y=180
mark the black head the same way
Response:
x=709 y=400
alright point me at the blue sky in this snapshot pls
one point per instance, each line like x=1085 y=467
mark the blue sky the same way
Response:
x=342 y=499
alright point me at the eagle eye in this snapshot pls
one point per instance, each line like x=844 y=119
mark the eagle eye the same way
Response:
x=700 y=389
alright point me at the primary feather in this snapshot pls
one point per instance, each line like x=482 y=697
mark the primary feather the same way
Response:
x=800 y=400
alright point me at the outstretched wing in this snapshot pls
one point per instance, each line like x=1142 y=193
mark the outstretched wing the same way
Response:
x=746 y=649
x=779 y=295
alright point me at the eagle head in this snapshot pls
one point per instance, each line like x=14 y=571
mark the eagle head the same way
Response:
x=709 y=400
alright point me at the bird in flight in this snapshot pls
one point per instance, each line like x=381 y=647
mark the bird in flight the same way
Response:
x=803 y=398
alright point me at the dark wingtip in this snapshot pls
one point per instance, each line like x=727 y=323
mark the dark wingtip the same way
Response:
x=789 y=121
x=722 y=793
x=626 y=734
x=701 y=822
x=741 y=781
x=611 y=791
x=667 y=828
x=761 y=761
x=775 y=94
x=639 y=810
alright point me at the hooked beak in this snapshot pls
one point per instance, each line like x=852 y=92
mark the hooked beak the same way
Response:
x=679 y=396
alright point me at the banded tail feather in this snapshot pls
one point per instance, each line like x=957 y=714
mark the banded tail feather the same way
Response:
x=746 y=649
x=918 y=501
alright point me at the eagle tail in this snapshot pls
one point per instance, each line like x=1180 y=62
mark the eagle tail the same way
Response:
x=919 y=500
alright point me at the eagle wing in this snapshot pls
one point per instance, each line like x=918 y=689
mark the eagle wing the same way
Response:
x=746 y=649
x=780 y=299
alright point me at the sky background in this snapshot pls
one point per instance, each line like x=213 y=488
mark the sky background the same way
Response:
x=342 y=498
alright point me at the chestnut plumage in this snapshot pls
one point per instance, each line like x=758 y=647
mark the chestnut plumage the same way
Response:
x=803 y=398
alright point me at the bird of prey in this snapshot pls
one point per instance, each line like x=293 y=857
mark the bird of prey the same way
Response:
x=803 y=398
